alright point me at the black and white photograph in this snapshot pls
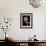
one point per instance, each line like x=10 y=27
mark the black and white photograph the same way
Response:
x=26 y=20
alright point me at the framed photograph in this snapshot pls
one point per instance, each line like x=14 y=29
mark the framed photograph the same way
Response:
x=26 y=20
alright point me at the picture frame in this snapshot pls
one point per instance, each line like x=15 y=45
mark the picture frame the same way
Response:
x=26 y=20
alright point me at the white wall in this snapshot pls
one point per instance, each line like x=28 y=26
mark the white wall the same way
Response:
x=13 y=8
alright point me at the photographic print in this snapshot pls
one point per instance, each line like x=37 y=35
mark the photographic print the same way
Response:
x=26 y=20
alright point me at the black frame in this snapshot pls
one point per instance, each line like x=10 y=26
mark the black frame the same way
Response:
x=28 y=16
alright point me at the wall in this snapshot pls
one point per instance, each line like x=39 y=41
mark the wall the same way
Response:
x=13 y=8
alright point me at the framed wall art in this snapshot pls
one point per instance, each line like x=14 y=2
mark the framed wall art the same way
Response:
x=26 y=20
